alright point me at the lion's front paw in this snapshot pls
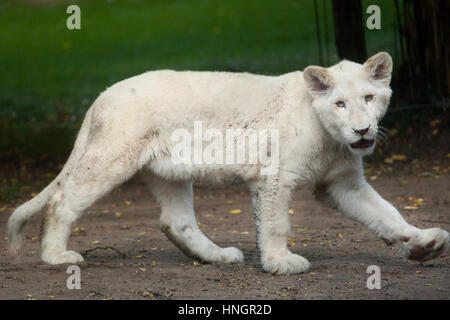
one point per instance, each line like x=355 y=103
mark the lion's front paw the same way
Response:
x=286 y=263
x=62 y=257
x=425 y=245
x=232 y=255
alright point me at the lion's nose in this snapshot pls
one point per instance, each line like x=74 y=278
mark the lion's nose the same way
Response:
x=362 y=131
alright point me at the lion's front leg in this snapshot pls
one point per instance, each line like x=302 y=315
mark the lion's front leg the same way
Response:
x=270 y=202
x=355 y=198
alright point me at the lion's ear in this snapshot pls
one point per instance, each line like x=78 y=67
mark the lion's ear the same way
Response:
x=317 y=80
x=379 y=67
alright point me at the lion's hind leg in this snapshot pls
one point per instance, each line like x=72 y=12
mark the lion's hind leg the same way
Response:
x=179 y=224
x=92 y=176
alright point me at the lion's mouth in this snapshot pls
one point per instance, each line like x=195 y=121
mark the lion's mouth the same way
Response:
x=362 y=144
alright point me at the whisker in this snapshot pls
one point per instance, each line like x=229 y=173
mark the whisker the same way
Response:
x=381 y=139
x=383 y=134
x=385 y=130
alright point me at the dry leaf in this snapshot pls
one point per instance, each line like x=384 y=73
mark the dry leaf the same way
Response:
x=78 y=231
x=398 y=157
x=434 y=123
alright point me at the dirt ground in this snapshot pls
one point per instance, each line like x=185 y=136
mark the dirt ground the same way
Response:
x=142 y=264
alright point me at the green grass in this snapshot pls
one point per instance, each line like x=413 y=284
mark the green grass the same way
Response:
x=50 y=75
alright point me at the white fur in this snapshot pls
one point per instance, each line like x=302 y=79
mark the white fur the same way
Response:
x=128 y=129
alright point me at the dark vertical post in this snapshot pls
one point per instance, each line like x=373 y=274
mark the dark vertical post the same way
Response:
x=349 y=30
x=319 y=39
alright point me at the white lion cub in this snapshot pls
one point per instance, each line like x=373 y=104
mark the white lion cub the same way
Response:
x=326 y=121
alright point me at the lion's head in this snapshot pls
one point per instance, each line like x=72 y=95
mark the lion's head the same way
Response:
x=351 y=98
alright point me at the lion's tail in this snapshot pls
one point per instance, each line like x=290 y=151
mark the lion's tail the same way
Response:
x=21 y=215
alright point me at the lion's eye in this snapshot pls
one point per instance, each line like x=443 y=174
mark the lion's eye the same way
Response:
x=368 y=98
x=340 y=104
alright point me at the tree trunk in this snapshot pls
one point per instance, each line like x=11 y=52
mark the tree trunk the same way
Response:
x=425 y=31
x=349 y=30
